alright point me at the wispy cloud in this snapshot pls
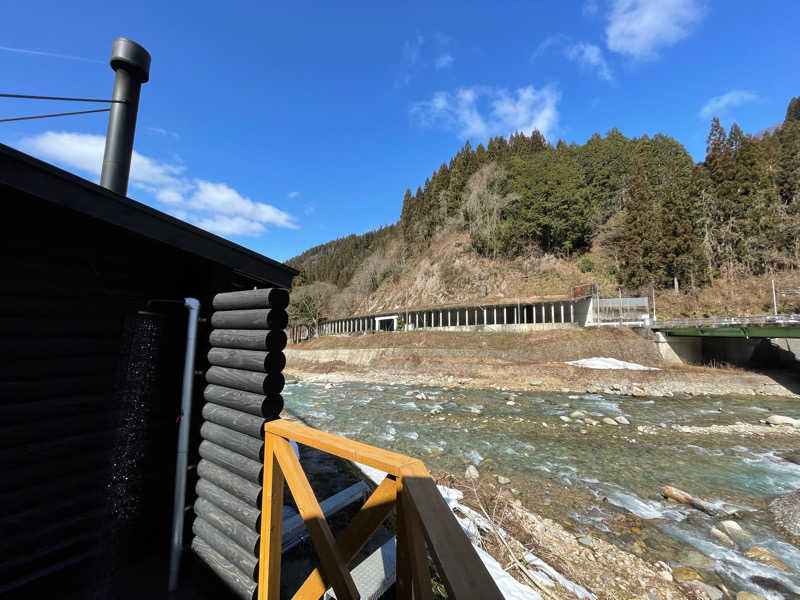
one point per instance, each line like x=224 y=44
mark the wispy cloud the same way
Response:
x=590 y=8
x=444 y=61
x=718 y=104
x=639 y=28
x=553 y=41
x=163 y=132
x=583 y=53
x=480 y=111
x=214 y=206
x=424 y=51
x=51 y=54
x=293 y=195
x=589 y=55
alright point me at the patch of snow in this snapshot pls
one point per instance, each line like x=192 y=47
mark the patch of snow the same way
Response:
x=600 y=362
x=374 y=475
x=511 y=589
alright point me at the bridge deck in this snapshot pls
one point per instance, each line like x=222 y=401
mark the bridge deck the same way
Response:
x=763 y=326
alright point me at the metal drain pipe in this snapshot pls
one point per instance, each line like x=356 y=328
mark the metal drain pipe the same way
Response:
x=182 y=457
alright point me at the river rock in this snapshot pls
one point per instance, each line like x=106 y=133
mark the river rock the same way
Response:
x=622 y=420
x=786 y=510
x=576 y=414
x=591 y=422
x=763 y=555
x=609 y=421
x=510 y=403
x=503 y=480
x=781 y=420
x=734 y=530
x=535 y=382
x=328 y=386
x=637 y=392
x=704 y=590
x=722 y=537
x=748 y=596
x=695 y=559
x=565 y=418
x=585 y=540
x=471 y=472
x=686 y=574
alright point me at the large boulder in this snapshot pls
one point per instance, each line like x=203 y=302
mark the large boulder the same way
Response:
x=763 y=555
x=786 y=510
x=782 y=420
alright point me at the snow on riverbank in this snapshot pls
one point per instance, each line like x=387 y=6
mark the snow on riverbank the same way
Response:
x=600 y=362
x=471 y=523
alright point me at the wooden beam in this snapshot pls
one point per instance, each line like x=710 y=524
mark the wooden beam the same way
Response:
x=333 y=566
x=459 y=565
x=355 y=536
x=409 y=535
x=377 y=458
x=269 y=577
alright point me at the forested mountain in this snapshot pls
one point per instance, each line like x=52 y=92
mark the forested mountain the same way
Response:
x=658 y=218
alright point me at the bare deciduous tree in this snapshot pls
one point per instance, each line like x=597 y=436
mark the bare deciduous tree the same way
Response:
x=309 y=304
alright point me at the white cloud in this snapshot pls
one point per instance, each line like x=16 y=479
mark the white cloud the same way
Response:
x=480 y=111
x=444 y=61
x=293 y=195
x=591 y=56
x=639 y=28
x=717 y=104
x=549 y=42
x=212 y=206
x=590 y=8
x=220 y=199
x=164 y=132
x=423 y=52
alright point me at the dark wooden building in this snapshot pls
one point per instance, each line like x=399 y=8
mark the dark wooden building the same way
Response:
x=90 y=376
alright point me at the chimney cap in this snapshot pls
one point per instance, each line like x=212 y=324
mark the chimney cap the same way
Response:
x=130 y=56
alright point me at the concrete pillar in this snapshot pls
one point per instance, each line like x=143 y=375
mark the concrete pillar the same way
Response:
x=425 y=319
x=441 y=317
x=494 y=320
x=562 y=312
x=505 y=315
x=476 y=317
x=449 y=314
x=571 y=312
x=484 y=316
x=533 y=312
x=458 y=317
x=524 y=315
x=552 y=313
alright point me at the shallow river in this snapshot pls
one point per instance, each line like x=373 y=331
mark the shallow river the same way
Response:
x=617 y=470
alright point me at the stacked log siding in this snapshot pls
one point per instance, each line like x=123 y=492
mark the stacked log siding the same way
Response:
x=243 y=393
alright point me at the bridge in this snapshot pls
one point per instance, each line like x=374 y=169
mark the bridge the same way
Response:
x=764 y=326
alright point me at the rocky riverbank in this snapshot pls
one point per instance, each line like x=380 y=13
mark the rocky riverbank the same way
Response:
x=388 y=366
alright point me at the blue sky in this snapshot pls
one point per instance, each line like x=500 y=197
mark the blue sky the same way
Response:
x=284 y=125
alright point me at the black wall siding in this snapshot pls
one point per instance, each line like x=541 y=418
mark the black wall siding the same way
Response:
x=67 y=284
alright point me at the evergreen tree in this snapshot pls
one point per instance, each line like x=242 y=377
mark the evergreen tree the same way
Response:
x=793 y=110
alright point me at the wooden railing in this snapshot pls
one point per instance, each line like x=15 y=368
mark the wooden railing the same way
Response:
x=424 y=522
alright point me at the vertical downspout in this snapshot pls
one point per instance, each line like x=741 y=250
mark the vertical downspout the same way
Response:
x=182 y=457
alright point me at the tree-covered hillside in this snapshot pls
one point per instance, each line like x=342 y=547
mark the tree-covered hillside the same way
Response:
x=661 y=219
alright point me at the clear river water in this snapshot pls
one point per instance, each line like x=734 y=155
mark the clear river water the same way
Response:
x=615 y=472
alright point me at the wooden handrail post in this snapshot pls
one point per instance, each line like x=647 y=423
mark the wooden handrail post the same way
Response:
x=413 y=578
x=269 y=572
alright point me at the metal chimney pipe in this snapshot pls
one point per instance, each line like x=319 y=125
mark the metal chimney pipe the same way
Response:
x=131 y=63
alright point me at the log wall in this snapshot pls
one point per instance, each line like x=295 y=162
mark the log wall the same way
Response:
x=243 y=393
